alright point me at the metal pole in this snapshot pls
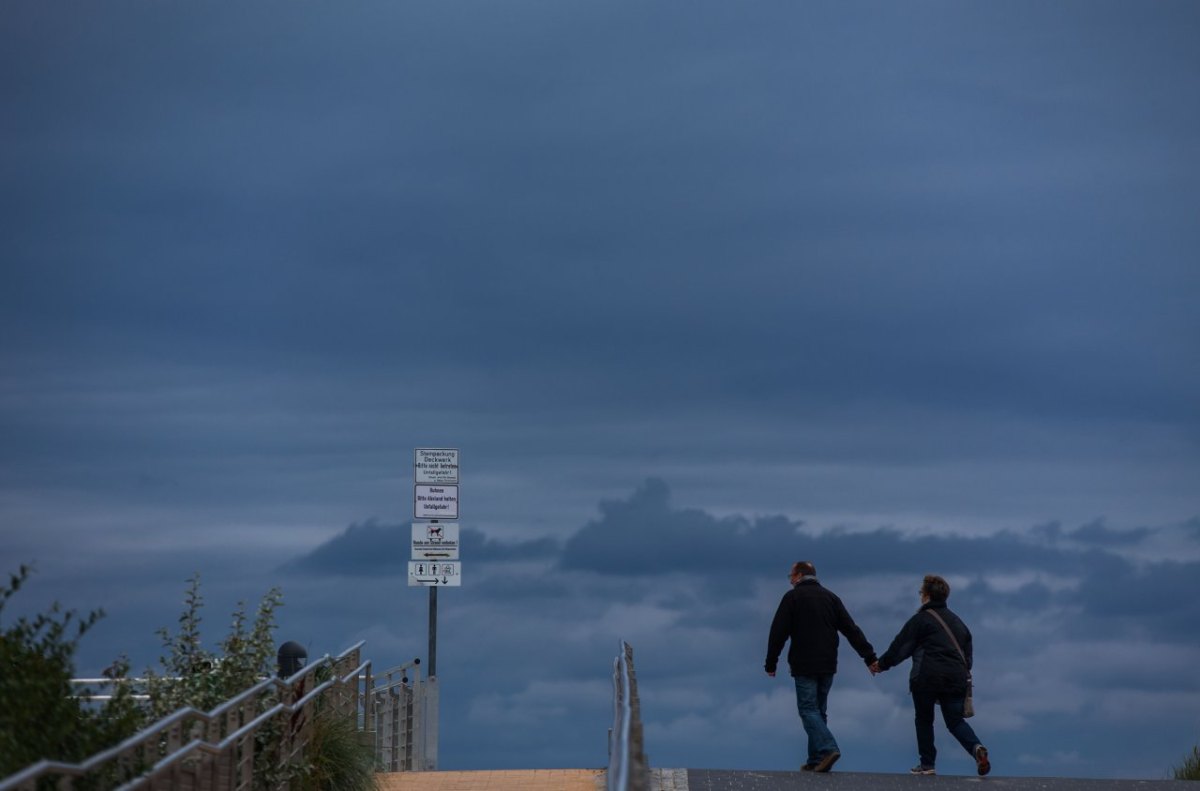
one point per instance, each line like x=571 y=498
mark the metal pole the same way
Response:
x=432 y=631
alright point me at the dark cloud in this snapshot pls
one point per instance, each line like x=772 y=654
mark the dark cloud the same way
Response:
x=1097 y=532
x=1161 y=600
x=477 y=546
x=373 y=549
x=366 y=548
x=1192 y=527
x=645 y=535
x=643 y=538
x=1050 y=531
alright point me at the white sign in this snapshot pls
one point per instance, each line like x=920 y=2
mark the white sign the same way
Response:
x=430 y=574
x=435 y=465
x=435 y=542
x=435 y=502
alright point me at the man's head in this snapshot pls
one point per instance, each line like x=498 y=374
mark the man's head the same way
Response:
x=935 y=588
x=802 y=568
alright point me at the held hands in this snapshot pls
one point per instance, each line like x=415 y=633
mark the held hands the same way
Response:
x=875 y=668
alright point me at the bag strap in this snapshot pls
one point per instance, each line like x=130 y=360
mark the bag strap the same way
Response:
x=953 y=639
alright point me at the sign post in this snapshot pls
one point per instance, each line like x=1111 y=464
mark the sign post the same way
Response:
x=434 y=561
x=433 y=633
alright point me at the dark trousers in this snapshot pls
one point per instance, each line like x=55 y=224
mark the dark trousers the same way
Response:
x=952 y=715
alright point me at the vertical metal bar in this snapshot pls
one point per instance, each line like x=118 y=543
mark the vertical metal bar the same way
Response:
x=399 y=748
x=433 y=631
x=412 y=728
x=412 y=745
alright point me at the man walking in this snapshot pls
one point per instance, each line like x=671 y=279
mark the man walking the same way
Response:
x=811 y=617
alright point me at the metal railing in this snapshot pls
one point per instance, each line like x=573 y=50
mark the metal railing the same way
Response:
x=84 y=688
x=395 y=716
x=405 y=724
x=220 y=750
x=628 y=769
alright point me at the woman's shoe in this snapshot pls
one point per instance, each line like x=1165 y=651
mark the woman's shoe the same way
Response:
x=982 y=765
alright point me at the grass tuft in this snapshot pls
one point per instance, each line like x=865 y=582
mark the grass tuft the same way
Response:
x=1190 y=769
x=338 y=759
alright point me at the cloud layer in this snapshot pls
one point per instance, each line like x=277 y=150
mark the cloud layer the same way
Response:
x=1070 y=626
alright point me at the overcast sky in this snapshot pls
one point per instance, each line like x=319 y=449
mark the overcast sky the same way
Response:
x=697 y=290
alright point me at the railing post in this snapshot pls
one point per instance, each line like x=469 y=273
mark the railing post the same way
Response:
x=628 y=769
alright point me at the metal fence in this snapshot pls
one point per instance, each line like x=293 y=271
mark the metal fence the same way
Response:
x=406 y=719
x=266 y=729
x=628 y=769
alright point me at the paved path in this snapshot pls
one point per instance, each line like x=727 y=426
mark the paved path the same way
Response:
x=742 y=780
x=498 y=780
x=718 y=780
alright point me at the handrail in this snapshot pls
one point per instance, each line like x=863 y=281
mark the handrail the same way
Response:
x=628 y=769
x=153 y=735
x=199 y=745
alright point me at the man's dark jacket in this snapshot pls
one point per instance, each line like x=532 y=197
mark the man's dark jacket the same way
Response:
x=811 y=617
x=936 y=664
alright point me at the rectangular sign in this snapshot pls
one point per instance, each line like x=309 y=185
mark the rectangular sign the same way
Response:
x=435 y=541
x=435 y=465
x=431 y=574
x=435 y=502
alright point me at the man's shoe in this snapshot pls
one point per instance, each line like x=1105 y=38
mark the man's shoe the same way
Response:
x=922 y=769
x=982 y=765
x=827 y=761
x=808 y=767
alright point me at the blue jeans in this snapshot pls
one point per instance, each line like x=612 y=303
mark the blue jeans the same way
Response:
x=952 y=715
x=812 y=695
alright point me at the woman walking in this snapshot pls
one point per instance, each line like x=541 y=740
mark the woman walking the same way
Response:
x=940 y=646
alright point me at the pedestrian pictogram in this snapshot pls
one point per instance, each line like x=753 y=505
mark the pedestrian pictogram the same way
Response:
x=434 y=575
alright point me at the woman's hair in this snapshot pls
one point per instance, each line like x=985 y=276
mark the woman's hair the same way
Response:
x=936 y=588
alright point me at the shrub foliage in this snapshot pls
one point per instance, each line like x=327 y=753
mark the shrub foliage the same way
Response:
x=39 y=716
x=191 y=675
x=42 y=718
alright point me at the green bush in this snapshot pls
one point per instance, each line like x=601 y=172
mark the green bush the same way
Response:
x=191 y=675
x=40 y=717
x=1190 y=769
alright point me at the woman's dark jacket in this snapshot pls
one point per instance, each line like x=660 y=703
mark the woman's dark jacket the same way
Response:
x=811 y=617
x=936 y=663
